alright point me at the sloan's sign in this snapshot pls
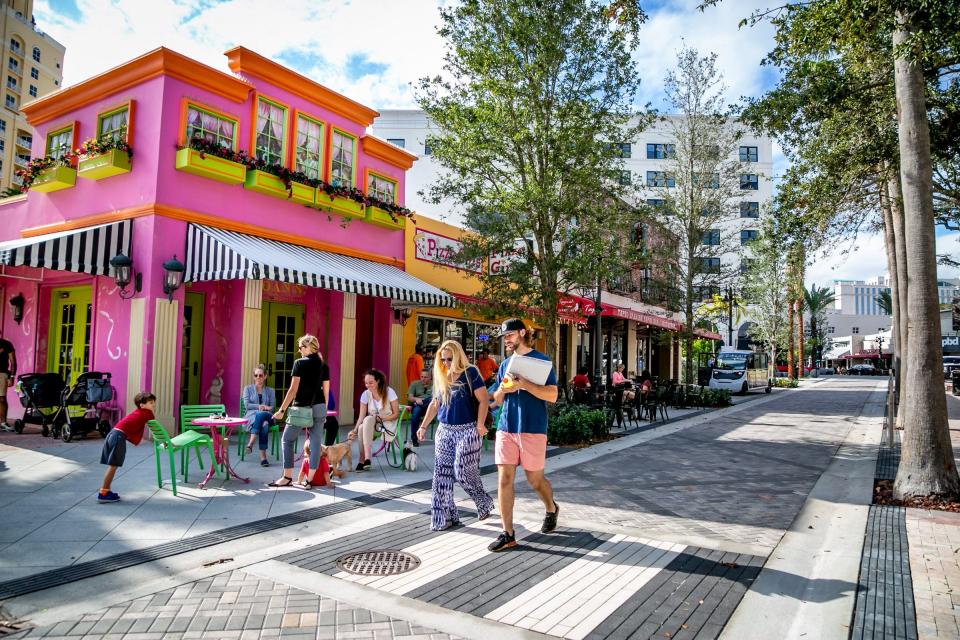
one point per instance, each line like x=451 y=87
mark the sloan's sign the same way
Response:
x=438 y=249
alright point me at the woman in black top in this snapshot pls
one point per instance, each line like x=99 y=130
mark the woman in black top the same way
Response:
x=309 y=387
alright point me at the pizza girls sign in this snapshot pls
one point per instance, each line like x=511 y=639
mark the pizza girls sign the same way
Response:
x=438 y=249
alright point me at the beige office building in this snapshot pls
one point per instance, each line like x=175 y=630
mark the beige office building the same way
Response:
x=33 y=66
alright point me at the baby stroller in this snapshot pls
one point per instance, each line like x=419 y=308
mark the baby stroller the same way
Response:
x=90 y=389
x=40 y=395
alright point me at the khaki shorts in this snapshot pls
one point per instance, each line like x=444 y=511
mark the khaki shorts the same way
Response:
x=4 y=383
x=529 y=450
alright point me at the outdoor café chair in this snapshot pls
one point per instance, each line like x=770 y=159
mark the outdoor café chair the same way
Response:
x=189 y=413
x=274 y=436
x=184 y=442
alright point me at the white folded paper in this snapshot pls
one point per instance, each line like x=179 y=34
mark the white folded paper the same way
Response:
x=533 y=369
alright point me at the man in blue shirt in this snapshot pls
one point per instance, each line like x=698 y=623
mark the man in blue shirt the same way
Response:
x=522 y=432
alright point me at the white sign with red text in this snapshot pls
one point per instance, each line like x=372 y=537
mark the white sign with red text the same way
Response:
x=438 y=249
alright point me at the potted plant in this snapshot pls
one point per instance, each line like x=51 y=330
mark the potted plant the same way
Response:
x=208 y=159
x=349 y=202
x=104 y=157
x=280 y=182
x=49 y=173
x=387 y=214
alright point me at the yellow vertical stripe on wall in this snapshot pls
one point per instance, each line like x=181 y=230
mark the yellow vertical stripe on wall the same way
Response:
x=397 y=379
x=134 y=354
x=167 y=315
x=631 y=361
x=348 y=344
x=253 y=294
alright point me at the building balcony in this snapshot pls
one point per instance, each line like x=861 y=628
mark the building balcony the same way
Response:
x=21 y=161
x=26 y=143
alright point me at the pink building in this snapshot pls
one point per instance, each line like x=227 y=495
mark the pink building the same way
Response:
x=265 y=259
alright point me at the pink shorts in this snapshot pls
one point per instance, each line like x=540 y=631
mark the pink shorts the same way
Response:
x=529 y=450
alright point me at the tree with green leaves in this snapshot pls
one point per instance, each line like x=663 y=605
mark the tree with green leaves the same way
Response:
x=699 y=187
x=885 y=302
x=529 y=113
x=765 y=287
x=818 y=300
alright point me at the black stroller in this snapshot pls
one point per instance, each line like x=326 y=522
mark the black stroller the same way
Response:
x=90 y=389
x=41 y=396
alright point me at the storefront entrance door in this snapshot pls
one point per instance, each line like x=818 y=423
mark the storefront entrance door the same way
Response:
x=68 y=345
x=191 y=349
x=283 y=324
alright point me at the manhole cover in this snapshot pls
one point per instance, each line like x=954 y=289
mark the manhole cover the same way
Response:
x=378 y=562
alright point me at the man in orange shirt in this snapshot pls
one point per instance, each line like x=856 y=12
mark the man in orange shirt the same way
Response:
x=486 y=365
x=414 y=365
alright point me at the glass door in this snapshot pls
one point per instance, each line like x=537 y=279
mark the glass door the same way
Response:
x=68 y=348
x=283 y=324
x=191 y=348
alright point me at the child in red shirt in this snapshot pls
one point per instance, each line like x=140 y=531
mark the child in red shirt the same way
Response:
x=321 y=478
x=115 y=444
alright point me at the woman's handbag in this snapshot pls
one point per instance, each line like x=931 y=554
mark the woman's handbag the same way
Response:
x=300 y=417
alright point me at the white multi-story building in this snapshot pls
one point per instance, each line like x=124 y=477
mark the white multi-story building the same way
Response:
x=646 y=159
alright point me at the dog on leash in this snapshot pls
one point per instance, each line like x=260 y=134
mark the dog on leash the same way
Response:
x=409 y=457
x=335 y=454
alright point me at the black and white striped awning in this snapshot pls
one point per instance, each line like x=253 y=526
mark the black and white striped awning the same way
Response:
x=86 y=250
x=216 y=254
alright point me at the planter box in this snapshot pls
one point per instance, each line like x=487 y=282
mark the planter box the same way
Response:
x=379 y=217
x=211 y=166
x=270 y=185
x=105 y=165
x=341 y=206
x=55 y=179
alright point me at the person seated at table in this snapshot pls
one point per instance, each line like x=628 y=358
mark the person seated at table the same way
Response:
x=418 y=395
x=646 y=384
x=379 y=403
x=619 y=380
x=259 y=401
x=581 y=381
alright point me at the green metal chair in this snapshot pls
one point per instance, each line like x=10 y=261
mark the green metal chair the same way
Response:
x=242 y=436
x=184 y=442
x=189 y=413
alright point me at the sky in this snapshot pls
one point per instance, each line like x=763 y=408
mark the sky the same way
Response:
x=390 y=44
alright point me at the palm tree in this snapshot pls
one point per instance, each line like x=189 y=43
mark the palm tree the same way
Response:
x=817 y=300
x=884 y=302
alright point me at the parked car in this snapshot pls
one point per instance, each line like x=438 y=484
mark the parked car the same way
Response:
x=863 y=370
x=949 y=364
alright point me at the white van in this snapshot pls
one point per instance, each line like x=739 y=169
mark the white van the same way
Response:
x=739 y=371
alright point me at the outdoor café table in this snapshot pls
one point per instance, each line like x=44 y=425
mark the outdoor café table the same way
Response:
x=220 y=430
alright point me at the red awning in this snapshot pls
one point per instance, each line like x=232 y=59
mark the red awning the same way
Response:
x=641 y=317
x=709 y=335
x=869 y=353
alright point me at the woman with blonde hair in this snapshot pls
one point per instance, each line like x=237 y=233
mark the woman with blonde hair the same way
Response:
x=461 y=401
x=307 y=400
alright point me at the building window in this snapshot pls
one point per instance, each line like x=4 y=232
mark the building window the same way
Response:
x=341 y=165
x=660 y=179
x=748 y=154
x=748 y=235
x=624 y=178
x=711 y=237
x=34 y=73
x=623 y=149
x=271 y=132
x=660 y=151
x=36 y=54
x=381 y=188
x=3 y=145
x=749 y=209
x=426 y=149
x=33 y=91
x=15 y=45
x=749 y=181
x=211 y=127
x=855 y=330
x=11 y=82
x=56 y=83
x=706 y=180
x=59 y=142
x=831 y=329
x=11 y=102
x=708 y=265
x=13 y=64
x=705 y=293
x=113 y=124
x=398 y=142
x=655 y=202
x=309 y=156
x=3 y=126
x=745 y=265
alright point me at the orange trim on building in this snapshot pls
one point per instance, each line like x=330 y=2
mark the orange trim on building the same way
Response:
x=150 y=65
x=247 y=62
x=383 y=150
x=188 y=215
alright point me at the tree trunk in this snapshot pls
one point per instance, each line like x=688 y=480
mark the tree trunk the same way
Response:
x=800 y=338
x=791 y=372
x=890 y=244
x=926 y=465
x=900 y=243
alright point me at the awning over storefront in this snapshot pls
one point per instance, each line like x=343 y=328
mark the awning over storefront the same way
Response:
x=216 y=254
x=709 y=335
x=86 y=250
x=867 y=354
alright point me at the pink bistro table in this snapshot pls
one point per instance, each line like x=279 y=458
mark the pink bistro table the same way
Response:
x=220 y=431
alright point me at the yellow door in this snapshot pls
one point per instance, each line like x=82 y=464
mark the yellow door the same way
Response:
x=191 y=348
x=68 y=349
x=283 y=324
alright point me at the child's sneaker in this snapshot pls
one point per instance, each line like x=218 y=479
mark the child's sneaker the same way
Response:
x=109 y=496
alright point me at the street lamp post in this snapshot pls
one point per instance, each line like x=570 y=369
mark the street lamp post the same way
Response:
x=880 y=348
x=730 y=316
x=598 y=348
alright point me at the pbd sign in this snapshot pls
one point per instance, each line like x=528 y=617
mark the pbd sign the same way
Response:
x=950 y=343
x=438 y=249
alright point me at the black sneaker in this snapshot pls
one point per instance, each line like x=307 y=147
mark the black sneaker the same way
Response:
x=504 y=541
x=550 y=520
x=360 y=467
x=367 y=465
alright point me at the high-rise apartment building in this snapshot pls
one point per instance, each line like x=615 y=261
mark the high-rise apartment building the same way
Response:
x=33 y=67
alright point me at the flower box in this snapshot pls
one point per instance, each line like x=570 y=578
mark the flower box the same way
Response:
x=271 y=185
x=381 y=218
x=105 y=165
x=341 y=206
x=211 y=166
x=55 y=179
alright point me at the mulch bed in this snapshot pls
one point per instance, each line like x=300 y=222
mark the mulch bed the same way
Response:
x=883 y=494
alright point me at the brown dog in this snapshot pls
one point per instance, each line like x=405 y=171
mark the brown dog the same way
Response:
x=337 y=452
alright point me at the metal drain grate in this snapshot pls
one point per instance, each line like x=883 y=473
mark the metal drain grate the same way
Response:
x=378 y=562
